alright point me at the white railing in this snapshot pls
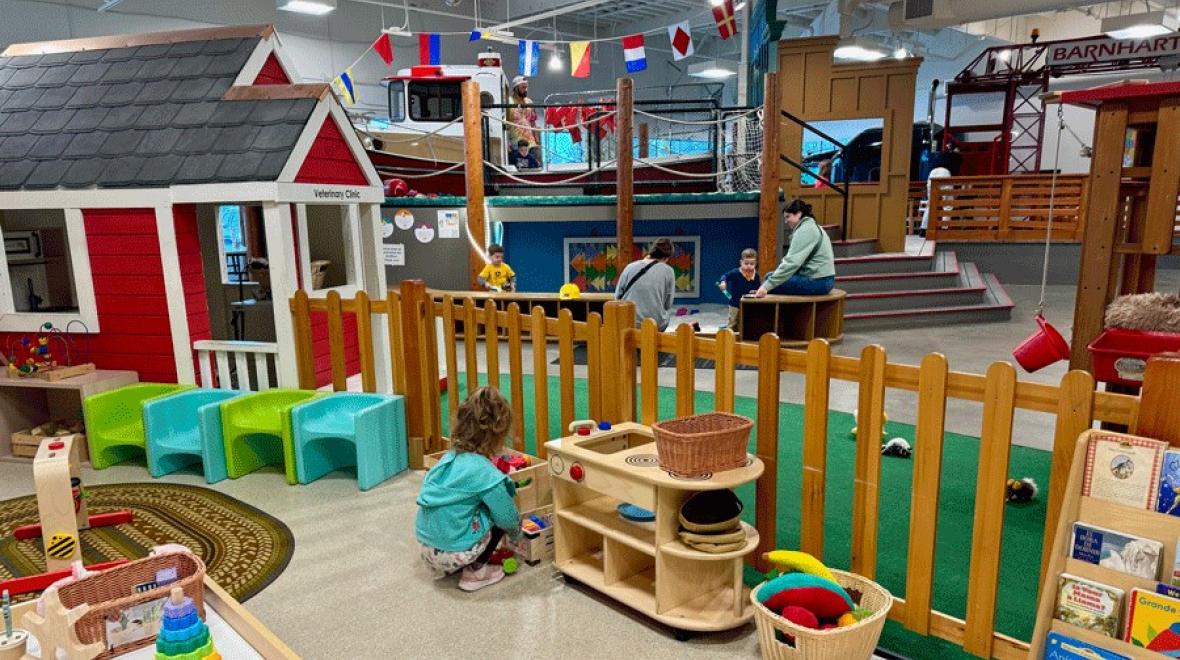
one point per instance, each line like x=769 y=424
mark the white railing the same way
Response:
x=218 y=371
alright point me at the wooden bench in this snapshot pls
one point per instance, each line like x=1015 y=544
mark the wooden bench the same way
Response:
x=795 y=319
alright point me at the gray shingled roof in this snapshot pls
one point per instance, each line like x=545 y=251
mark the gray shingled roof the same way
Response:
x=147 y=116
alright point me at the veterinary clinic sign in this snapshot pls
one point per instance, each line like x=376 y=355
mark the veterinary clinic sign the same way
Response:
x=1106 y=49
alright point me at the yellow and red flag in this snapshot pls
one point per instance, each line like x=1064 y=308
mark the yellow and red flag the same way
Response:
x=726 y=23
x=580 y=59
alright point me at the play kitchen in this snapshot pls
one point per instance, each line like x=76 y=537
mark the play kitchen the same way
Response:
x=633 y=524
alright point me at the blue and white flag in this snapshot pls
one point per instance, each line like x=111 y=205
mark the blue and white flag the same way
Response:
x=529 y=59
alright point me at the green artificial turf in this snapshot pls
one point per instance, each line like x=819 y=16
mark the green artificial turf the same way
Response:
x=1023 y=525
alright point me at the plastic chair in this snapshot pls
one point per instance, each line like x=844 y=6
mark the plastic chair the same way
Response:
x=257 y=430
x=114 y=421
x=365 y=430
x=185 y=428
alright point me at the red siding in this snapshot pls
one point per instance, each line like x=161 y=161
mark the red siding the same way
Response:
x=330 y=160
x=192 y=275
x=129 y=291
x=272 y=73
x=322 y=352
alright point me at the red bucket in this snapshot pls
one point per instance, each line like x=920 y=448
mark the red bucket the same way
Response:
x=1042 y=348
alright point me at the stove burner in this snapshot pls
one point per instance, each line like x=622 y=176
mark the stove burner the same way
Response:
x=643 y=460
x=690 y=477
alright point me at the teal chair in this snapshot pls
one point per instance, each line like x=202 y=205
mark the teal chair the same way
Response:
x=257 y=430
x=185 y=428
x=351 y=428
x=114 y=421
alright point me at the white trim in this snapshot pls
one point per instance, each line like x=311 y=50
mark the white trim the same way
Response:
x=320 y=193
x=311 y=130
x=304 y=264
x=13 y=321
x=280 y=246
x=353 y=260
x=224 y=193
x=138 y=198
x=352 y=253
x=182 y=350
x=254 y=64
x=354 y=143
x=280 y=52
x=372 y=272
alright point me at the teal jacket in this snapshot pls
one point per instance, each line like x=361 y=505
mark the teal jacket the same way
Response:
x=461 y=499
x=807 y=239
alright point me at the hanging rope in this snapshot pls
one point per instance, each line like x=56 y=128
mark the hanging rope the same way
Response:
x=1052 y=199
x=532 y=182
x=553 y=129
x=700 y=122
x=399 y=175
x=700 y=175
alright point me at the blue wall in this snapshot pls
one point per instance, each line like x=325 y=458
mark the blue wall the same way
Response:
x=535 y=249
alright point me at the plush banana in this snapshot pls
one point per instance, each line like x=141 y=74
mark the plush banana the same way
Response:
x=798 y=562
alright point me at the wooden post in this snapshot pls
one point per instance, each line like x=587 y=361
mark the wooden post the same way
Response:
x=304 y=357
x=766 y=447
x=1160 y=222
x=540 y=380
x=625 y=174
x=1159 y=416
x=618 y=362
x=644 y=140
x=1075 y=413
x=815 y=446
x=1096 y=269
x=412 y=293
x=473 y=170
x=768 y=220
x=866 y=487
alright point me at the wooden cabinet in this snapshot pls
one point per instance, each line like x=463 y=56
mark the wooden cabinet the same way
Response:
x=795 y=319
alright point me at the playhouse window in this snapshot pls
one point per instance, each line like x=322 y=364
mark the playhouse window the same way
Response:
x=41 y=276
x=241 y=239
x=329 y=247
x=435 y=101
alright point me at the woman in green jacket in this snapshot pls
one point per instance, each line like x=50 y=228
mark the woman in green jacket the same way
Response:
x=808 y=268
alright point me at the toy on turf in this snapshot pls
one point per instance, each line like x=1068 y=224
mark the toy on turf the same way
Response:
x=1020 y=491
x=183 y=635
x=897 y=447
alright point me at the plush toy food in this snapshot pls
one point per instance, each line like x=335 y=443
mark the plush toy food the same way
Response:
x=800 y=616
x=795 y=561
x=823 y=597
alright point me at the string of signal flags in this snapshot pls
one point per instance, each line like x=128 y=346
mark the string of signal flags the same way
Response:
x=529 y=50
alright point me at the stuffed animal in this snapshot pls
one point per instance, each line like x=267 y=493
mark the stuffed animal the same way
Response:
x=1020 y=491
x=807 y=593
x=787 y=561
x=897 y=447
x=800 y=616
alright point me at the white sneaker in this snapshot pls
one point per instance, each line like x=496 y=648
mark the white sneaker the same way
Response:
x=474 y=579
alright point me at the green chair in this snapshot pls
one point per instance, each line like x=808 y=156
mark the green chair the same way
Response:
x=257 y=431
x=114 y=421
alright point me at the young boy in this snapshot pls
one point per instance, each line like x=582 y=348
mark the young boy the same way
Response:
x=738 y=282
x=523 y=158
x=497 y=275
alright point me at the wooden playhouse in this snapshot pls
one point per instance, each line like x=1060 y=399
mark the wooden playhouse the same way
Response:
x=119 y=157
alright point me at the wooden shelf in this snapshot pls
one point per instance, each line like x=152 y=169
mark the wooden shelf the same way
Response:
x=710 y=611
x=1102 y=641
x=601 y=515
x=637 y=591
x=679 y=549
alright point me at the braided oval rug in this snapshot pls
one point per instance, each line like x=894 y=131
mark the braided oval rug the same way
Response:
x=244 y=549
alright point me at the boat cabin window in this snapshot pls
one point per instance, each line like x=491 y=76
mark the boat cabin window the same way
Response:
x=435 y=101
x=486 y=100
x=397 y=101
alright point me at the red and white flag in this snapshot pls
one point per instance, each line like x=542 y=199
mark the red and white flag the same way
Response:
x=726 y=23
x=681 y=37
x=634 y=53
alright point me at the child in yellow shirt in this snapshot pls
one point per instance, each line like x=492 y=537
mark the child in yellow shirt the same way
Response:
x=497 y=275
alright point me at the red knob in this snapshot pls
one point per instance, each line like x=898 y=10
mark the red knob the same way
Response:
x=577 y=473
x=583 y=430
x=57 y=444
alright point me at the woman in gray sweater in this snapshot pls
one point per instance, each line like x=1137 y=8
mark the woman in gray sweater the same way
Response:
x=650 y=283
x=808 y=268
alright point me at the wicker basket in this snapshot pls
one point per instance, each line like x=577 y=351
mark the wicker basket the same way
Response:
x=855 y=642
x=699 y=444
x=114 y=590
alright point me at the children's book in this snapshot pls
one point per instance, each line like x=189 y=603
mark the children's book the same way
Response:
x=1167 y=590
x=1154 y=622
x=1064 y=647
x=1124 y=469
x=1169 y=495
x=1090 y=605
x=1120 y=552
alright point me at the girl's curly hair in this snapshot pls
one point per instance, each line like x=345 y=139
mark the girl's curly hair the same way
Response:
x=483 y=423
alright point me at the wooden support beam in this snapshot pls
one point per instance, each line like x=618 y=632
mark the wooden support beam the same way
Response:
x=625 y=175
x=473 y=169
x=1159 y=416
x=1097 y=271
x=413 y=293
x=644 y=140
x=1160 y=221
x=768 y=220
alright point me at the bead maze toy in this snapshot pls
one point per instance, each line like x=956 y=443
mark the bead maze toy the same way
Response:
x=40 y=359
x=61 y=509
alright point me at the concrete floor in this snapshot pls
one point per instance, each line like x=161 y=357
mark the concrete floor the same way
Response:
x=355 y=588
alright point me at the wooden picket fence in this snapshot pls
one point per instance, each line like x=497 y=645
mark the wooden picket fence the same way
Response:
x=623 y=385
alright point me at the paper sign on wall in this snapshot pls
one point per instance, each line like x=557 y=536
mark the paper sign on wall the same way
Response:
x=386 y=227
x=424 y=233
x=403 y=218
x=448 y=223
x=394 y=254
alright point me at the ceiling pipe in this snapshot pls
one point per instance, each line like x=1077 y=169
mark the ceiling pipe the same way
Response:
x=947 y=13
